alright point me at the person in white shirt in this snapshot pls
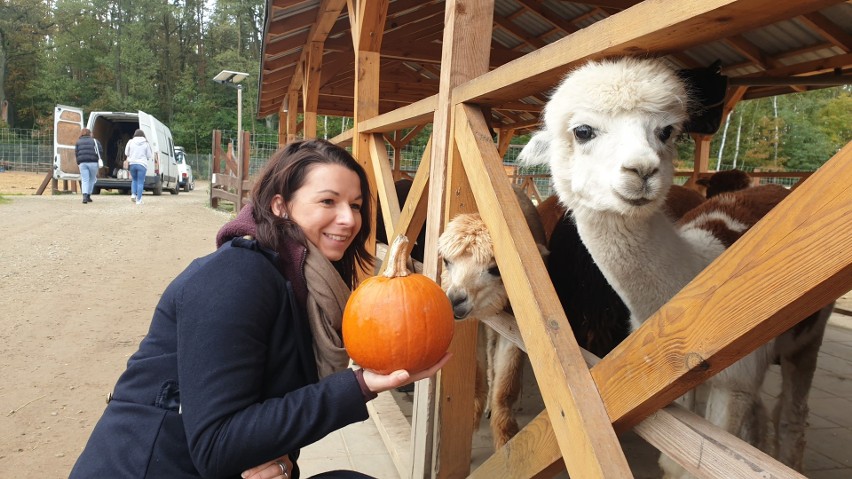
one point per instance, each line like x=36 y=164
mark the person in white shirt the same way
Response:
x=138 y=153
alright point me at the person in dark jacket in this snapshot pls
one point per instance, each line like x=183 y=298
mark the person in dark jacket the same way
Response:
x=244 y=364
x=88 y=151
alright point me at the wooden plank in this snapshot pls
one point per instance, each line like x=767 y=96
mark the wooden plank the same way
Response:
x=292 y=115
x=586 y=438
x=702 y=448
x=532 y=453
x=707 y=451
x=366 y=99
x=311 y=87
x=385 y=187
x=464 y=55
x=413 y=213
x=639 y=29
x=415 y=114
x=327 y=14
x=224 y=195
x=343 y=139
x=47 y=177
x=797 y=259
x=394 y=430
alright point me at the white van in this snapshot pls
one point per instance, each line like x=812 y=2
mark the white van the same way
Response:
x=113 y=130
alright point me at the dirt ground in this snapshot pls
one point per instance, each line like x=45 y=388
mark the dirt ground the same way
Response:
x=78 y=287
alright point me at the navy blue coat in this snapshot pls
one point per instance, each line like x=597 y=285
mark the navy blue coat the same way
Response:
x=225 y=379
x=86 y=150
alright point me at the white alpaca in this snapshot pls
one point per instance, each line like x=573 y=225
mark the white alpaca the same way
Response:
x=609 y=140
x=472 y=281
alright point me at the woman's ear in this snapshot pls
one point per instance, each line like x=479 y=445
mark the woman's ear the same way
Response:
x=279 y=207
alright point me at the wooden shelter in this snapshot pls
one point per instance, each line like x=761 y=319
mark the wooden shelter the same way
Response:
x=477 y=69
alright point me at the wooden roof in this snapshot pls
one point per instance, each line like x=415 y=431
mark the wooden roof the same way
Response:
x=784 y=51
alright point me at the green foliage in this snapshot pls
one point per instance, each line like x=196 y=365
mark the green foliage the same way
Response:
x=812 y=127
x=159 y=57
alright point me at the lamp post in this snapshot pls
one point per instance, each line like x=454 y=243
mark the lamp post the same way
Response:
x=232 y=79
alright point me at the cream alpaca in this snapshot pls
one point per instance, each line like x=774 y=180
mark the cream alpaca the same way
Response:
x=609 y=141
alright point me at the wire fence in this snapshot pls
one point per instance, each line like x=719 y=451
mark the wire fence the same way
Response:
x=26 y=150
x=32 y=151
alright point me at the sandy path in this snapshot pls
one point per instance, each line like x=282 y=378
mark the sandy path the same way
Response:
x=78 y=286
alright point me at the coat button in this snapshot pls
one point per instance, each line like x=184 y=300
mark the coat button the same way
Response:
x=108 y=397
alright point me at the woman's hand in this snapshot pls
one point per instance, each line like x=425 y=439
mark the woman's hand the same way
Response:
x=281 y=467
x=380 y=382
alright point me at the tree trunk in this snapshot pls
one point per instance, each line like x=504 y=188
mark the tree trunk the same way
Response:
x=776 y=140
x=722 y=144
x=739 y=131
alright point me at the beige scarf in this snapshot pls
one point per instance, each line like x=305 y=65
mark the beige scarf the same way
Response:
x=327 y=295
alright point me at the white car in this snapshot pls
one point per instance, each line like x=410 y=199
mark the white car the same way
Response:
x=185 y=178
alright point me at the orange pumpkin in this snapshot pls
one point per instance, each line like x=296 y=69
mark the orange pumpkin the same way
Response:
x=397 y=320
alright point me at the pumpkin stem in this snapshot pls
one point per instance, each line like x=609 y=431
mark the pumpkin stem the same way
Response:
x=397 y=258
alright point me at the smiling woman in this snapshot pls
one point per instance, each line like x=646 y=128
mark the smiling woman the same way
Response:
x=237 y=380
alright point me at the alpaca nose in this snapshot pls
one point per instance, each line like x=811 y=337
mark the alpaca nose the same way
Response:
x=461 y=307
x=643 y=172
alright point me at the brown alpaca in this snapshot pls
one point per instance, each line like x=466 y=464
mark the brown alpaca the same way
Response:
x=472 y=281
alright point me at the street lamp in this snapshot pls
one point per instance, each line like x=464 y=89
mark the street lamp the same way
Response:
x=232 y=79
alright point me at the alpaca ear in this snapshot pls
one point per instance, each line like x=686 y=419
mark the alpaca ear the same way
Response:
x=537 y=151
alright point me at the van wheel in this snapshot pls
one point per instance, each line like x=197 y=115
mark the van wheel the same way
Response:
x=96 y=191
x=186 y=187
x=175 y=190
x=158 y=187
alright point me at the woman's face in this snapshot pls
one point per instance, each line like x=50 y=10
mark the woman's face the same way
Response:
x=328 y=208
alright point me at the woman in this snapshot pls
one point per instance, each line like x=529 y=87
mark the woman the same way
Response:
x=138 y=152
x=243 y=364
x=88 y=151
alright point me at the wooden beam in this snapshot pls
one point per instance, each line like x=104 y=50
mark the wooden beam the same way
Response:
x=417 y=113
x=413 y=214
x=466 y=41
x=703 y=449
x=643 y=30
x=292 y=116
x=588 y=443
x=310 y=88
x=385 y=188
x=828 y=30
x=327 y=14
x=797 y=259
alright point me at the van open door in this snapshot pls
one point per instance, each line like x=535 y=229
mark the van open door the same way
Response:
x=147 y=124
x=164 y=165
x=67 y=123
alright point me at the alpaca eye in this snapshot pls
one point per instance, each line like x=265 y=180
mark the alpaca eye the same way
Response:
x=494 y=271
x=446 y=263
x=584 y=133
x=665 y=133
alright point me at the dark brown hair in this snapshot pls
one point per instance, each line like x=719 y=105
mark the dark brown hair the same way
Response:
x=139 y=132
x=284 y=174
x=85 y=132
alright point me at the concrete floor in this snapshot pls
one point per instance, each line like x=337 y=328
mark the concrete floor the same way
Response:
x=829 y=437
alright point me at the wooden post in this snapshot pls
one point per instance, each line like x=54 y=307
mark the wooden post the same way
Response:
x=292 y=115
x=310 y=89
x=465 y=47
x=282 y=128
x=216 y=149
